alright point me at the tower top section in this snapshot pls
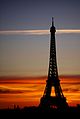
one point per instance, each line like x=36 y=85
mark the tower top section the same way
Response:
x=52 y=21
x=52 y=29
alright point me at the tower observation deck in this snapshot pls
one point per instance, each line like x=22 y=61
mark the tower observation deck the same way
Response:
x=53 y=80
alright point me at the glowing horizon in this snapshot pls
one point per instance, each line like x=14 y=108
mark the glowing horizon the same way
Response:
x=28 y=91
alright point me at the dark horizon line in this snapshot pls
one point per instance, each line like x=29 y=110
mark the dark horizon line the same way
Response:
x=35 y=77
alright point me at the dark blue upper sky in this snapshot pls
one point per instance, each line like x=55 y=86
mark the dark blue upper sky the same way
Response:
x=36 y=14
x=24 y=54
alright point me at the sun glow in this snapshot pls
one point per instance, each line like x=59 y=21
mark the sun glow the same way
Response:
x=28 y=91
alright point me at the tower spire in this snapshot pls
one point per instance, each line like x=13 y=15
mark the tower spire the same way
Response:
x=52 y=21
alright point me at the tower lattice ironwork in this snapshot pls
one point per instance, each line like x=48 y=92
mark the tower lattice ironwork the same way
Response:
x=53 y=80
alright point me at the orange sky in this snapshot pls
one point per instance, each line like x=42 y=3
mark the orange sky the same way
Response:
x=28 y=91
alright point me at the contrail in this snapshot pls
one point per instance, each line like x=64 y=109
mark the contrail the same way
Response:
x=38 y=32
x=65 y=31
x=25 y=32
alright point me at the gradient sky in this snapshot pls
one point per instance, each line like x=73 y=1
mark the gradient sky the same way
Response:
x=25 y=48
x=24 y=51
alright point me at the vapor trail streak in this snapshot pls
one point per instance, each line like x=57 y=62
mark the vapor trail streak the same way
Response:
x=38 y=32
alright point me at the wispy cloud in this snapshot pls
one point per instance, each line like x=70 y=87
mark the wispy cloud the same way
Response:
x=9 y=91
x=65 y=31
x=38 y=32
x=71 y=90
x=25 y=32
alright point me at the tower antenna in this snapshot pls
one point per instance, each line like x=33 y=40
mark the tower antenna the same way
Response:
x=52 y=21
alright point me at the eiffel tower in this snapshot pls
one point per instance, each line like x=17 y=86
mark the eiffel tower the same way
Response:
x=58 y=101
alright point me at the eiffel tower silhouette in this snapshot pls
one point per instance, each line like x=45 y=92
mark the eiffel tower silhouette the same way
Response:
x=58 y=101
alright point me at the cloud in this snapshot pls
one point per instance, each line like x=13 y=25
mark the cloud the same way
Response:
x=71 y=88
x=9 y=91
x=38 y=32
x=67 y=31
x=25 y=32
